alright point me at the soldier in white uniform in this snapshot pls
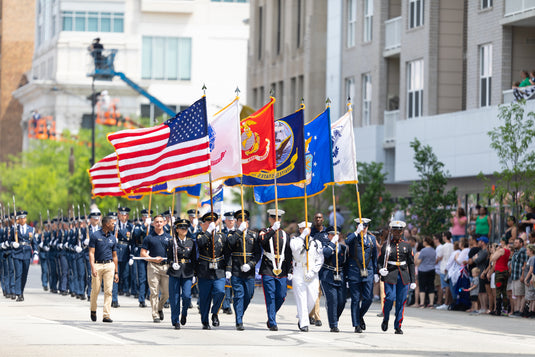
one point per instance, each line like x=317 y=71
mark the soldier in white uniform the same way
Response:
x=305 y=274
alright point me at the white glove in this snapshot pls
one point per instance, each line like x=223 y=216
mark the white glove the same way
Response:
x=16 y=245
x=242 y=227
x=193 y=280
x=78 y=249
x=383 y=271
x=3 y=245
x=412 y=286
x=245 y=268
x=305 y=232
x=309 y=275
x=360 y=228
x=195 y=222
x=131 y=262
x=211 y=227
x=376 y=278
x=290 y=277
x=276 y=225
x=41 y=245
x=228 y=275
x=335 y=238
x=86 y=241
x=46 y=249
x=60 y=246
x=176 y=266
x=148 y=221
x=35 y=257
x=173 y=219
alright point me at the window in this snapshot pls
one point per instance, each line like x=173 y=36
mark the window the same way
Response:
x=485 y=74
x=278 y=37
x=260 y=30
x=366 y=99
x=350 y=88
x=415 y=80
x=485 y=4
x=351 y=22
x=298 y=25
x=166 y=58
x=368 y=20
x=53 y=26
x=92 y=21
x=416 y=13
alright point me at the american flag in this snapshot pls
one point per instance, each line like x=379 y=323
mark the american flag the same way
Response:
x=178 y=148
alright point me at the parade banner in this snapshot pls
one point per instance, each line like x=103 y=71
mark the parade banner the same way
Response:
x=317 y=160
x=343 y=150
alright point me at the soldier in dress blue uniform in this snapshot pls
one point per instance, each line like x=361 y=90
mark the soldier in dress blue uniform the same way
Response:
x=52 y=257
x=361 y=280
x=70 y=253
x=62 y=246
x=79 y=257
x=43 y=241
x=5 y=252
x=124 y=238
x=398 y=274
x=140 y=266
x=181 y=255
x=22 y=252
x=211 y=264
x=332 y=276
x=276 y=267
x=228 y=228
x=242 y=264
x=2 y=277
x=193 y=230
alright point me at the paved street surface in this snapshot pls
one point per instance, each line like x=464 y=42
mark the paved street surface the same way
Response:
x=48 y=324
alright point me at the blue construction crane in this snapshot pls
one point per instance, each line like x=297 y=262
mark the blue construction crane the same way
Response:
x=104 y=70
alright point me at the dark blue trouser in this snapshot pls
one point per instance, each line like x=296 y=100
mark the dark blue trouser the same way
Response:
x=88 y=275
x=44 y=271
x=243 y=293
x=210 y=290
x=274 y=295
x=64 y=272
x=11 y=273
x=124 y=271
x=5 y=274
x=53 y=272
x=361 y=299
x=228 y=296
x=179 y=288
x=21 y=274
x=395 y=292
x=335 y=300
x=79 y=262
x=132 y=276
x=141 y=267
x=72 y=276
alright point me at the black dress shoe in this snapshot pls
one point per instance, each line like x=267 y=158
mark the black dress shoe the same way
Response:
x=273 y=328
x=183 y=320
x=127 y=294
x=115 y=304
x=64 y=293
x=93 y=316
x=177 y=326
x=206 y=327
x=13 y=296
x=384 y=325
x=20 y=298
x=107 y=319
x=362 y=324
x=120 y=293
x=45 y=288
x=142 y=304
x=215 y=320
x=358 y=329
x=312 y=320
x=398 y=331
x=160 y=313
x=228 y=311
x=82 y=297
x=166 y=305
x=335 y=329
x=156 y=320
x=303 y=329
x=239 y=327
x=318 y=323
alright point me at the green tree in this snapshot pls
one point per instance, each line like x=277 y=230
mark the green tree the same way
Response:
x=430 y=201
x=512 y=142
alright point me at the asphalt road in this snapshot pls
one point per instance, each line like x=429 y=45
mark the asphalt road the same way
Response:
x=48 y=324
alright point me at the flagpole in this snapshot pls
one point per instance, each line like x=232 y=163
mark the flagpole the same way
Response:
x=212 y=214
x=307 y=241
x=242 y=217
x=335 y=230
x=150 y=202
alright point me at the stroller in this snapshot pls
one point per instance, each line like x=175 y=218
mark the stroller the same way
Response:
x=462 y=303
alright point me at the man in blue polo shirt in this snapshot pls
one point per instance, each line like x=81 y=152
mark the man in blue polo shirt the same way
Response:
x=104 y=266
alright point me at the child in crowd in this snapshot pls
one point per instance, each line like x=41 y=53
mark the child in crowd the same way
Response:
x=474 y=289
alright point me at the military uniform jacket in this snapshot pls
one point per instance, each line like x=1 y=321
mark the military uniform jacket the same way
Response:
x=124 y=238
x=136 y=242
x=252 y=253
x=400 y=261
x=186 y=254
x=354 y=260
x=219 y=252
x=328 y=270
x=268 y=244
x=26 y=242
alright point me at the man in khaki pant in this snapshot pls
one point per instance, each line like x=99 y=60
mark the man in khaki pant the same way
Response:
x=154 y=250
x=103 y=261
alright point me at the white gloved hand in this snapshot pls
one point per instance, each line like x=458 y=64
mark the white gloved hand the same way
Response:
x=78 y=249
x=148 y=221
x=193 y=280
x=3 y=245
x=290 y=277
x=243 y=226
x=35 y=257
x=276 y=225
x=176 y=266
x=60 y=246
x=376 y=278
x=412 y=286
x=173 y=219
x=245 y=268
x=228 y=275
x=211 y=227
x=41 y=245
x=309 y=275
x=131 y=262
x=16 y=245
x=46 y=249
x=360 y=228
x=195 y=222
x=383 y=271
x=335 y=238
x=86 y=241
x=305 y=232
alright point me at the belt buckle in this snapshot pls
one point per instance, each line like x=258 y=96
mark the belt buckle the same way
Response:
x=213 y=264
x=182 y=260
x=337 y=277
x=398 y=263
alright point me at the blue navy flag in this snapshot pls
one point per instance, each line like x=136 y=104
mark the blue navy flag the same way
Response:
x=290 y=155
x=319 y=168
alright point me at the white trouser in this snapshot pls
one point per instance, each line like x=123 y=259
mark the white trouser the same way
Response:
x=306 y=294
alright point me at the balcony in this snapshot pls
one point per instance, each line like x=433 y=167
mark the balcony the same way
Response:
x=508 y=95
x=390 y=119
x=519 y=13
x=168 y=6
x=392 y=37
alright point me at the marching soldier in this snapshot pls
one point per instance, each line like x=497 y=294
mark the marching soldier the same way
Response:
x=22 y=252
x=140 y=266
x=181 y=255
x=124 y=231
x=213 y=255
x=276 y=266
x=194 y=226
x=79 y=257
x=319 y=232
x=228 y=228
x=307 y=262
x=397 y=271
x=361 y=275
x=53 y=268
x=332 y=277
x=7 y=271
x=62 y=239
x=245 y=252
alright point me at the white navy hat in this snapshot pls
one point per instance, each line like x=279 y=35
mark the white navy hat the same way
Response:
x=95 y=214
x=364 y=221
x=273 y=212
x=304 y=224
x=397 y=224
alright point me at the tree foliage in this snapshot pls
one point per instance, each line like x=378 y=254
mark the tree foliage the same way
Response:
x=431 y=203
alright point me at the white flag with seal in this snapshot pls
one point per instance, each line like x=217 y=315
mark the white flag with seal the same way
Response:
x=344 y=152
